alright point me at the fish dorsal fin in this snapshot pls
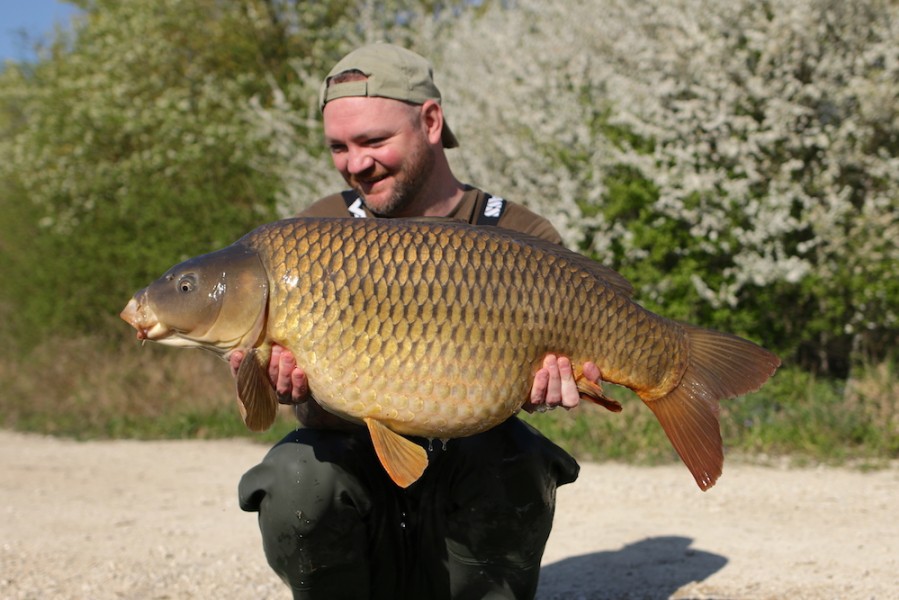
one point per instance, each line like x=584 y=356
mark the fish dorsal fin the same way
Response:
x=403 y=459
x=258 y=400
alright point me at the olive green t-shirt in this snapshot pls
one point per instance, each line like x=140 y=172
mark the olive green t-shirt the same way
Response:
x=474 y=204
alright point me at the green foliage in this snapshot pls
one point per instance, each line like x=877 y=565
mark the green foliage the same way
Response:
x=126 y=152
x=820 y=418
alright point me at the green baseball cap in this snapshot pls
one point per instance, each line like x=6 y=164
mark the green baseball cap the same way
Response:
x=391 y=72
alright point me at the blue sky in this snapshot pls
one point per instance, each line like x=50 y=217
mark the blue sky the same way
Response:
x=35 y=17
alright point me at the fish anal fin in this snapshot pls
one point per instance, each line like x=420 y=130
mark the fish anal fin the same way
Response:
x=593 y=392
x=258 y=400
x=403 y=459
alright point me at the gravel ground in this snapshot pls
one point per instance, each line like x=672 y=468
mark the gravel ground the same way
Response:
x=159 y=520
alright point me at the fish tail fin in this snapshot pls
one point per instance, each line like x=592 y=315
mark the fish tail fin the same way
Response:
x=719 y=366
x=403 y=459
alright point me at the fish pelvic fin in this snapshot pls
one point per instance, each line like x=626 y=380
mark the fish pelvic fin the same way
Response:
x=403 y=459
x=593 y=392
x=258 y=400
x=720 y=366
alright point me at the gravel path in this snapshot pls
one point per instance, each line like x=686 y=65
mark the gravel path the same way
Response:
x=159 y=520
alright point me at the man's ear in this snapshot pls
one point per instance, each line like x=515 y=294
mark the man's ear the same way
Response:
x=432 y=121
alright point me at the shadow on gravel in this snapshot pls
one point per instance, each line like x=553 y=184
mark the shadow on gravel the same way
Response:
x=651 y=568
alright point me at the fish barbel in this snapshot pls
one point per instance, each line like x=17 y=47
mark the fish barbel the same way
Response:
x=436 y=329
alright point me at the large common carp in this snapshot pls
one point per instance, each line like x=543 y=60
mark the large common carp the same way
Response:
x=436 y=328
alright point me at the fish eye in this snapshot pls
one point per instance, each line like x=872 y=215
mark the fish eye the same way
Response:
x=187 y=283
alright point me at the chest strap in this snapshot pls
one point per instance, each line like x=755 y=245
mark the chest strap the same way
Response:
x=494 y=206
x=353 y=203
x=490 y=213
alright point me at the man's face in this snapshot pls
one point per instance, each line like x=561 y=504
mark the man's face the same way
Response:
x=382 y=150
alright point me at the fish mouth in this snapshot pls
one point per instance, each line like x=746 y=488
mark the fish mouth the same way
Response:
x=141 y=317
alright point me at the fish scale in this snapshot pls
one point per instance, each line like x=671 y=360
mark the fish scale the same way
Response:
x=500 y=305
x=436 y=329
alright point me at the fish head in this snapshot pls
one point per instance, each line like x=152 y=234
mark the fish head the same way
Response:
x=216 y=301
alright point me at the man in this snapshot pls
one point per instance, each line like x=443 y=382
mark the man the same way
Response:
x=475 y=525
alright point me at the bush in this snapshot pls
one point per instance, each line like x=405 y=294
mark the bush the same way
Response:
x=125 y=152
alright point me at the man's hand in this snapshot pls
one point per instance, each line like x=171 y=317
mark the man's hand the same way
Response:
x=555 y=385
x=289 y=379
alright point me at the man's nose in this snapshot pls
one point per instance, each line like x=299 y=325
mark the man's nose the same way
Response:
x=359 y=161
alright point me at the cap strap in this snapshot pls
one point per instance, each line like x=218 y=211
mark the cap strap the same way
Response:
x=344 y=89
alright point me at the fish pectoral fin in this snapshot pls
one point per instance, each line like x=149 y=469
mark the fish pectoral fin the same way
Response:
x=258 y=399
x=403 y=459
x=592 y=391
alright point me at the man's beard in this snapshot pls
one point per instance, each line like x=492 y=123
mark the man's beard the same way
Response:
x=407 y=190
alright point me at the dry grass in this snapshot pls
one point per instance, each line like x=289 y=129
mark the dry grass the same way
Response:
x=874 y=394
x=87 y=388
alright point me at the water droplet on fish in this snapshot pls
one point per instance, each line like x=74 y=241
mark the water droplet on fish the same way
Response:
x=430 y=444
x=445 y=441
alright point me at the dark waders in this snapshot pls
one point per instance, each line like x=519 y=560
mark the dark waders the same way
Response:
x=474 y=526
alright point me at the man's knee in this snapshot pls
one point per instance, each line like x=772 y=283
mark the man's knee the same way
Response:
x=312 y=515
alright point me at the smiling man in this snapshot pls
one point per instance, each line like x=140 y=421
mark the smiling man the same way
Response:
x=475 y=525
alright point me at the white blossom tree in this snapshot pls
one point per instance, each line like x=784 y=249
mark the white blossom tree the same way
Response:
x=737 y=160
